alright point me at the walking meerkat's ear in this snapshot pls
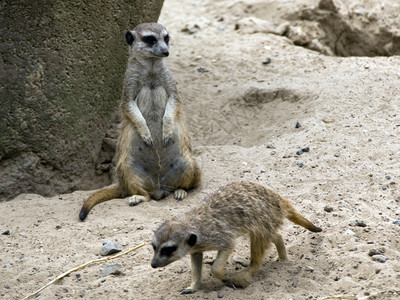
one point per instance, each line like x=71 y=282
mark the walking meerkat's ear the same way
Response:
x=192 y=240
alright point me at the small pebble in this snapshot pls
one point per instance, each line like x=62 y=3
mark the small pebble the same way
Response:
x=309 y=269
x=337 y=154
x=358 y=223
x=305 y=149
x=397 y=222
x=266 y=61
x=58 y=227
x=111 y=270
x=78 y=277
x=379 y=258
x=220 y=295
x=270 y=146
x=298 y=125
x=202 y=70
x=7 y=232
x=372 y=252
x=110 y=248
x=349 y=232
x=388 y=177
x=328 y=208
x=300 y=165
x=299 y=152
x=262 y=171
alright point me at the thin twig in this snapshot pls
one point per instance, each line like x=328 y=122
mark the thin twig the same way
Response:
x=85 y=265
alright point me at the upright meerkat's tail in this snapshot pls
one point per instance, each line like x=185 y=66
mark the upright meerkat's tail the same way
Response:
x=102 y=195
x=293 y=215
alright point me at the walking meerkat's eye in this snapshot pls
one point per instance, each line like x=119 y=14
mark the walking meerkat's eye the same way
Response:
x=167 y=251
x=149 y=39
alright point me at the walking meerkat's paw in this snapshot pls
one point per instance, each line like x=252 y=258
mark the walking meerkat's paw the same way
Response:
x=180 y=194
x=188 y=290
x=240 y=279
x=136 y=199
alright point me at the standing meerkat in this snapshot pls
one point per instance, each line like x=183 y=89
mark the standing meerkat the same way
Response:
x=233 y=210
x=154 y=156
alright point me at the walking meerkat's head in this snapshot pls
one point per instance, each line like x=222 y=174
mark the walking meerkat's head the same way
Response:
x=148 y=40
x=171 y=242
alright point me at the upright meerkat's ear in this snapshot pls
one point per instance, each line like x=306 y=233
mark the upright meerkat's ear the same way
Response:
x=130 y=37
x=192 y=240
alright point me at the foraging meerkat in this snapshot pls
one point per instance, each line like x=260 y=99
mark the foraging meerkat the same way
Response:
x=233 y=210
x=154 y=156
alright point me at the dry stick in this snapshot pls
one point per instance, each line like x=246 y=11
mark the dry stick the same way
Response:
x=85 y=265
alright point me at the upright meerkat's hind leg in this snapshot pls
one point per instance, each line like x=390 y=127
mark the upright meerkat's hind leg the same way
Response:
x=180 y=194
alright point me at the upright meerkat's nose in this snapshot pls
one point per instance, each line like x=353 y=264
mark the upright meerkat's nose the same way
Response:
x=166 y=53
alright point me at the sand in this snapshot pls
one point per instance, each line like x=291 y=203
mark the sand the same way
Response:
x=242 y=115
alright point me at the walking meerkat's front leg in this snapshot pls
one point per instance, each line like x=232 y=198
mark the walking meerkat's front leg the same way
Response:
x=217 y=268
x=196 y=265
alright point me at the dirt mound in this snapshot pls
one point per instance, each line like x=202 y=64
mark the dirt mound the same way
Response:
x=355 y=33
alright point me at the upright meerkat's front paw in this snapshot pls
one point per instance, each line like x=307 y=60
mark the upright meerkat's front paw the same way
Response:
x=180 y=194
x=167 y=135
x=147 y=140
x=136 y=199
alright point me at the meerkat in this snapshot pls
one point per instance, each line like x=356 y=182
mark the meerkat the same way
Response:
x=231 y=211
x=154 y=156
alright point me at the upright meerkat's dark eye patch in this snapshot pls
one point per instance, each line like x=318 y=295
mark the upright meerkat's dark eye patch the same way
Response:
x=154 y=247
x=149 y=39
x=167 y=251
x=166 y=39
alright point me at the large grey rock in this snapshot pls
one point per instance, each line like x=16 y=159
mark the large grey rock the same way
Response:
x=61 y=70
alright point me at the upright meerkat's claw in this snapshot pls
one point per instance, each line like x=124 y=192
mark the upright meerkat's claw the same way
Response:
x=167 y=140
x=180 y=194
x=148 y=141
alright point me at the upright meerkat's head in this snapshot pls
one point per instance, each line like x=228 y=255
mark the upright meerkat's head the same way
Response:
x=171 y=242
x=148 y=40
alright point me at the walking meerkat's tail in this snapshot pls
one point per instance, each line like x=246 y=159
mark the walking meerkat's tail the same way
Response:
x=105 y=194
x=293 y=215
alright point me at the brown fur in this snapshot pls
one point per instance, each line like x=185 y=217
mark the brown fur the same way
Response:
x=154 y=156
x=233 y=210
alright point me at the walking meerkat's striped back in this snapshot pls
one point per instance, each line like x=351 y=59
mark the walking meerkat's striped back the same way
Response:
x=231 y=211
x=154 y=156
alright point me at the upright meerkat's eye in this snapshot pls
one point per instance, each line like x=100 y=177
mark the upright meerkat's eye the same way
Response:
x=166 y=39
x=149 y=39
x=167 y=251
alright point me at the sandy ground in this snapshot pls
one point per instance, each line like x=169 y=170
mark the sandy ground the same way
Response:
x=242 y=116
